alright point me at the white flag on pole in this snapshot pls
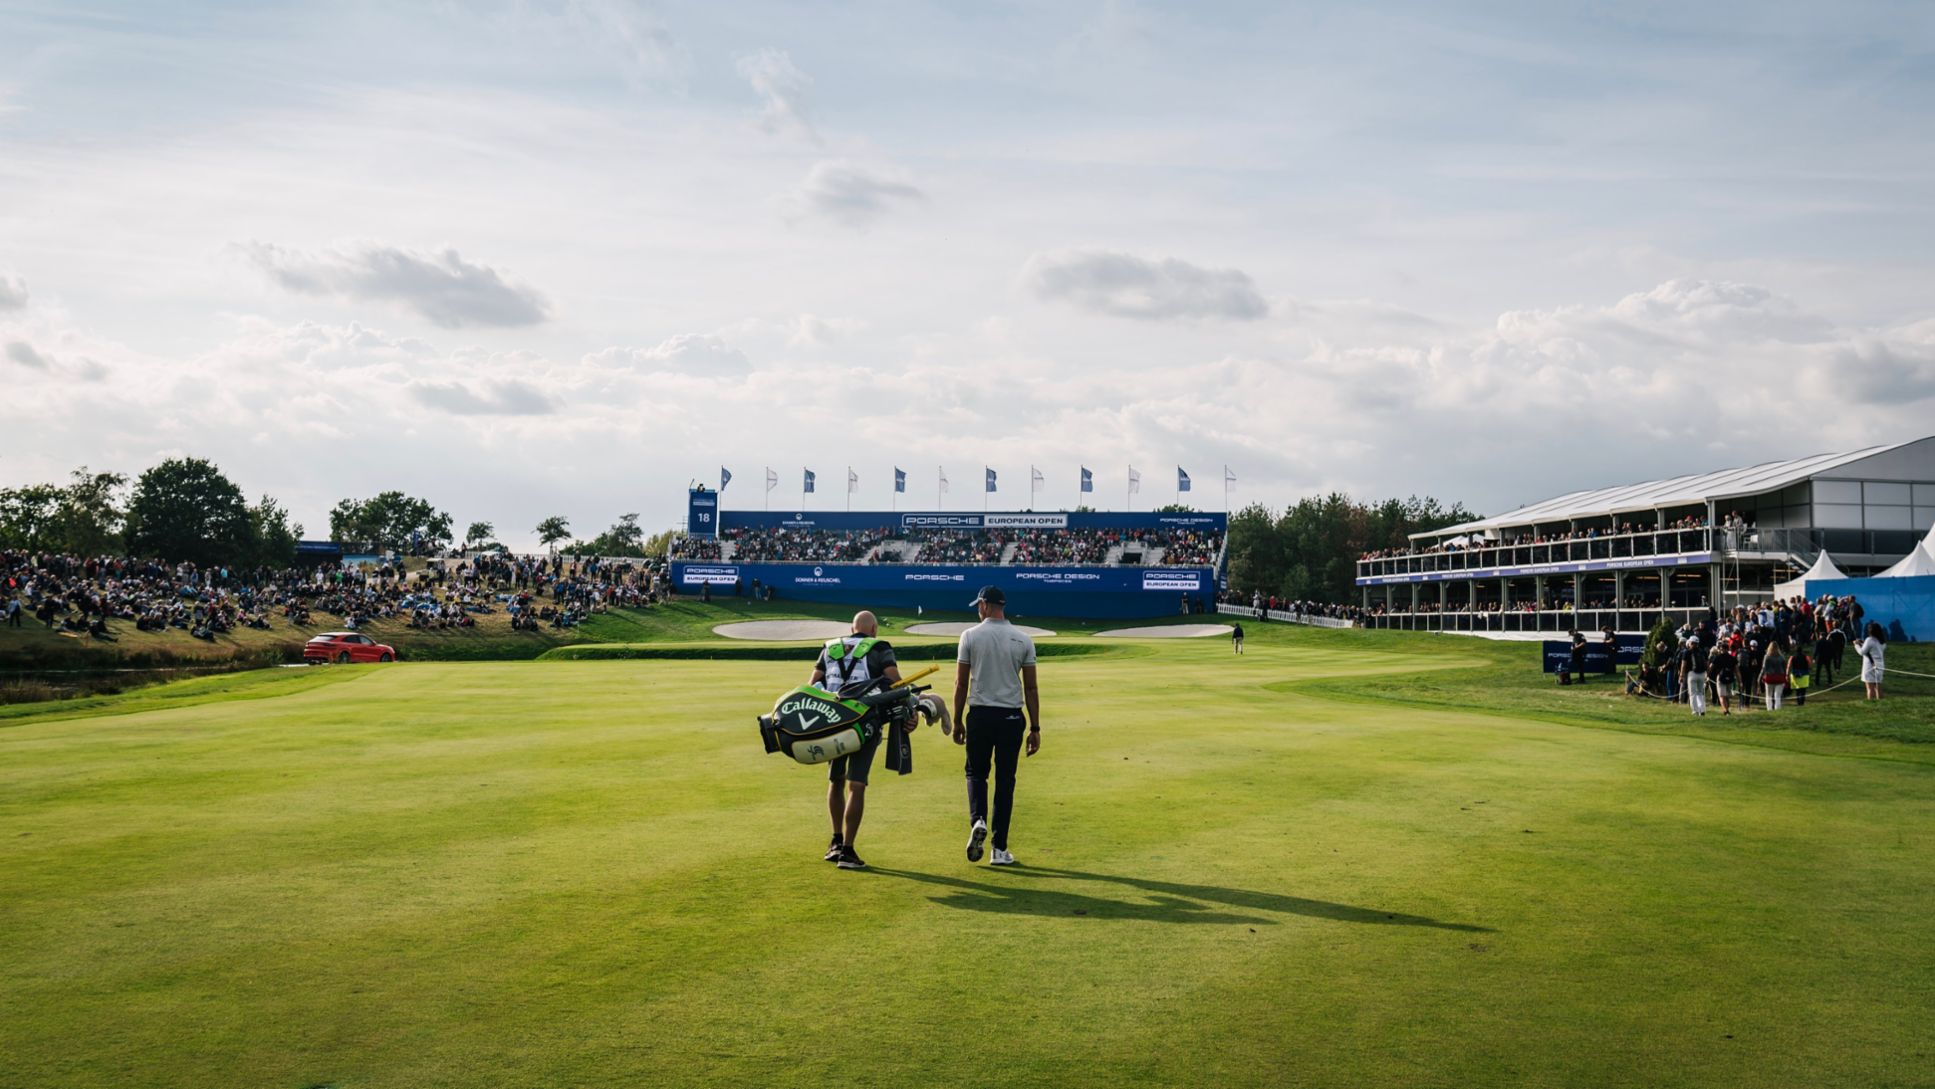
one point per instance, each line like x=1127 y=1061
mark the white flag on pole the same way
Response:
x=943 y=478
x=853 y=481
x=772 y=479
x=1135 y=481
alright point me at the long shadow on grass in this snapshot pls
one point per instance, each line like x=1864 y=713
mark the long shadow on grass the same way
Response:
x=1166 y=901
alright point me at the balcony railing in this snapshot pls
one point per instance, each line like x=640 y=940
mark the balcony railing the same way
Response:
x=1613 y=546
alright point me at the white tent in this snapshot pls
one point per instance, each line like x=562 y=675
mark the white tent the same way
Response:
x=1823 y=569
x=1917 y=562
x=1928 y=542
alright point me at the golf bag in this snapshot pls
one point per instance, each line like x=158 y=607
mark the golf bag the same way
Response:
x=813 y=725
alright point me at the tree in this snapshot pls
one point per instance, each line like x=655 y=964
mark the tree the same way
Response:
x=392 y=521
x=478 y=533
x=1311 y=551
x=658 y=544
x=88 y=522
x=275 y=536
x=28 y=516
x=624 y=538
x=553 y=529
x=185 y=509
x=1175 y=508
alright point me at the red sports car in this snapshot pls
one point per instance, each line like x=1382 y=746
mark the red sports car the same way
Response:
x=346 y=646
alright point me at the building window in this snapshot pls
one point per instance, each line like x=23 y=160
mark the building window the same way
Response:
x=1837 y=491
x=1888 y=494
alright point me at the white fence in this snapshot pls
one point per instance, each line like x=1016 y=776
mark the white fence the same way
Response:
x=1287 y=617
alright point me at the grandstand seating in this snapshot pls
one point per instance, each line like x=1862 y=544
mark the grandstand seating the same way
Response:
x=972 y=547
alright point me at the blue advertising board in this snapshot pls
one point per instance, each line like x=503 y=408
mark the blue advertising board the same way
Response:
x=702 y=513
x=1904 y=607
x=1632 y=563
x=1558 y=654
x=1083 y=592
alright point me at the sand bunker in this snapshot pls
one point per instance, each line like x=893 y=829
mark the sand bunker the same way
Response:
x=1168 y=631
x=958 y=628
x=779 y=630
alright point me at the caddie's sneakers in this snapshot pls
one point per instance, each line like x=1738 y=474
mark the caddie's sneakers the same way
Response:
x=849 y=860
x=1001 y=858
x=833 y=850
x=975 y=839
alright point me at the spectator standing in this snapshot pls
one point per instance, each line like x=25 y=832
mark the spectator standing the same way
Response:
x=1696 y=677
x=1721 y=667
x=1800 y=672
x=1773 y=675
x=1872 y=651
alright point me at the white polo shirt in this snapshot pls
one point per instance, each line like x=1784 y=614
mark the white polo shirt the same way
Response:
x=995 y=654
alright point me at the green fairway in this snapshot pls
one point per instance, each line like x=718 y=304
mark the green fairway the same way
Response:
x=1254 y=871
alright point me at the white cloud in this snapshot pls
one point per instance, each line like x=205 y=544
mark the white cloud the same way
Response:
x=784 y=90
x=1126 y=286
x=442 y=287
x=497 y=398
x=650 y=52
x=13 y=292
x=855 y=195
x=813 y=331
x=698 y=354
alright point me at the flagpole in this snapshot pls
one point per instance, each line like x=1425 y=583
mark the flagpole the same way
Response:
x=849 y=488
x=940 y=475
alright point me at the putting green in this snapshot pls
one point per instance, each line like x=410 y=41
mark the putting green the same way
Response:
x=587 y=873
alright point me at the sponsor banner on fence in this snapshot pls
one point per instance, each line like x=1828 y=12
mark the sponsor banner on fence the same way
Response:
x=1636 y=563
x=1558 y=654
x=883 y=576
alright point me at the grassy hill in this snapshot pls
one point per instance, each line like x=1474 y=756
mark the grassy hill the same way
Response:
x=1346 y=858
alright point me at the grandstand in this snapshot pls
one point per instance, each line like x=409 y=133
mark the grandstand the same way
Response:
x=1079 y=563
x=1617 y=556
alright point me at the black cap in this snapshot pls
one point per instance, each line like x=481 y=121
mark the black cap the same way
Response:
x=990 y=594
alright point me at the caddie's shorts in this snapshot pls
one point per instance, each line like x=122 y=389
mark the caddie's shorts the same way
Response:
x=853 y=768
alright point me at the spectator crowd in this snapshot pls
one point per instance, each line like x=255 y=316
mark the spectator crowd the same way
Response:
x=87 y=595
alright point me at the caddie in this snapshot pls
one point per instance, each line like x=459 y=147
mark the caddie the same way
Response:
x=856 y=657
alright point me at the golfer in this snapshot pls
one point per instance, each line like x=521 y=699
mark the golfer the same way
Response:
x=1236 y=637
x=858 y=656
x=994 y=673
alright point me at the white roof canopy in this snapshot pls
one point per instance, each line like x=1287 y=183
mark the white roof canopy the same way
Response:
x=1823 y=569
x=1671 y=492
x=1917 y=562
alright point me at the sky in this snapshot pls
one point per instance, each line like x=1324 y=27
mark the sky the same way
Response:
x=527 y=258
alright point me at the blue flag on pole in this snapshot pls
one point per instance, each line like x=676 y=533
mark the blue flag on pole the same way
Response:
x=809 y=481
x=1088 y=481
x=990 y=479
x=1182 y=480
x=900 y=480
x=725 y=477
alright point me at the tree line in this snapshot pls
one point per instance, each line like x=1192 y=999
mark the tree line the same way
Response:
x=1310 y=551
x=187 y=509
